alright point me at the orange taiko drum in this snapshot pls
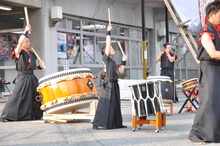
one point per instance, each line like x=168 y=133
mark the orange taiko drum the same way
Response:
x=67 y=86
x=189 y=84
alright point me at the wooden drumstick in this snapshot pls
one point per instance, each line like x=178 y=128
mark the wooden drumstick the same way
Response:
x=109 y=17
x=26 y=17
x=37 y=55
x=121 y=49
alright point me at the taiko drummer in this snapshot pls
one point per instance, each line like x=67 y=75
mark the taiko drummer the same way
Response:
x=108 y=113
x=22 y=104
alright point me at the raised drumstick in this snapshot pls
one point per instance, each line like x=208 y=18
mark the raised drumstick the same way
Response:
x=37 y=55
x=26 y=17
x=109 y=17
x=121 y=49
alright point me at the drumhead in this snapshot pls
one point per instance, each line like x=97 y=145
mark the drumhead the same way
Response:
x=158 y=78
x=190 y=81
x=64 y=73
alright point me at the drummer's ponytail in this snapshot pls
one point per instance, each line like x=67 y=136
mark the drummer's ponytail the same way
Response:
x=102 y=75
x=103 y=50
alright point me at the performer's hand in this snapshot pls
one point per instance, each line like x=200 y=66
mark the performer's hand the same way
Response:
x=124 y=58
x=42 y=64
x=28 y=27
x=161 y=52
x=167 y=51
x=109 y=28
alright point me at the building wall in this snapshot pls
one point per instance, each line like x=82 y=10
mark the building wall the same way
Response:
x=44 y=36
x=121 y=12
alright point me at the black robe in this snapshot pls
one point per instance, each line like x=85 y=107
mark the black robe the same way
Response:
x=206 y=124
x=22 y=104
x=108 y=112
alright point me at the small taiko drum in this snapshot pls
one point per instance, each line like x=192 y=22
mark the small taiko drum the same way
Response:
x=166 y=87
x=66 y=87
x=189 y=84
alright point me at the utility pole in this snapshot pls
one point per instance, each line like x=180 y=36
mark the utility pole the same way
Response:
x=144 y=48
x=166 y=24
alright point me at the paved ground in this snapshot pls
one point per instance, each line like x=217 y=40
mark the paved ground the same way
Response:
x=80 y=132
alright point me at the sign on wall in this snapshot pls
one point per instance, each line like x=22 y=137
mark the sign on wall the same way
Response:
x=4 y=51
x=61 y=45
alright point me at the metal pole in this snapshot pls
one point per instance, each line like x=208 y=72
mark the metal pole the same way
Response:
x=144 y=49
x=166 y=25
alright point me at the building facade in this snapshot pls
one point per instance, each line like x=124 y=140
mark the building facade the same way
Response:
x=75 y=40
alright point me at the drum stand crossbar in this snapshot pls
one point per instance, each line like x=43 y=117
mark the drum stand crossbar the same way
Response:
x=141 y=95
x=159 y=122
x=188 y=99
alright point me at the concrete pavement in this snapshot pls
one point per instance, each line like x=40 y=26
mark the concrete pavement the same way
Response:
x=80 y=132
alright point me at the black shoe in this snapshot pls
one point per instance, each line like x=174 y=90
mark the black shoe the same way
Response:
x=123 y=126
x=95 y=127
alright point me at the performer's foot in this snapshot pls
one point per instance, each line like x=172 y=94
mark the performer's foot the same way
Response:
x=191 y=111
x=95 y=127
x=123 y=126
x=196 y=140
x=3 y=120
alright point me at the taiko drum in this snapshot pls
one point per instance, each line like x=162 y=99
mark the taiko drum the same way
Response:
x=66 y=83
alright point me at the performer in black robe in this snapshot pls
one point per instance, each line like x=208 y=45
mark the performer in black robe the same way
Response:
x=108 y=112
x=206 y=126
x=22 y=104
x=167 y=58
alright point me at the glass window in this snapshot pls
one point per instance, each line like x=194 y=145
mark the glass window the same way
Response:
x=134 y=33
x=118 y=53
x=100 y=43
x=180 y=53
x=123 y=31
x=125 y=75
x=190 y=61
x=88 y=50
x=84 y=49
x=136 y=74
x=136 y=53
x=68 y=48
x=61 y=24
x=100 y=28
x=192 y=74
x=180 y=74
x=114 y=30
x=88 y=25
x=73 y=24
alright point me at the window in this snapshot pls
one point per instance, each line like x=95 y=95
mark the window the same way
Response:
x=73 y=24
x=136 y=57
x=135 y=33
x=68 y=48
x=123 y=31
x=100 y=28
x=80 y=42
x=88 y=50
x=88 y=25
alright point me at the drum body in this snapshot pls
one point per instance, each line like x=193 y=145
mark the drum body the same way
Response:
x=75 y=83
x=190 y=84
x=166 y=86
x=146 y=97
